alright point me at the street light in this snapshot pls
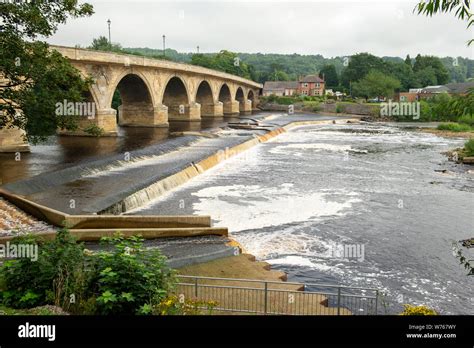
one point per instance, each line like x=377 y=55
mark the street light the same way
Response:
x=108 y=22
x=198 y=49
x=164 y=39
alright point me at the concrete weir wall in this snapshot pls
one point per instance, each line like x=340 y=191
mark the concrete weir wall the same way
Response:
x=162 y=186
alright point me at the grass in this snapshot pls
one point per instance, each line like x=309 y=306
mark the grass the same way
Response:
x=455 y=127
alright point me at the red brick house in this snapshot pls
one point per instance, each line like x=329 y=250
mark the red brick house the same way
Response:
x=311 y=85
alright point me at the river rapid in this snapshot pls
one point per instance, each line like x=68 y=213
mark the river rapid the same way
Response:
x=361 y=205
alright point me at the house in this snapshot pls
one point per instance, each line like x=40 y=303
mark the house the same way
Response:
x=460 y=88
x=280 y=88
x=311 y=85
x=415 y=94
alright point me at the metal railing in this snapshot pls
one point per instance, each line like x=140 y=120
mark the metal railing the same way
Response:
x=247 y=296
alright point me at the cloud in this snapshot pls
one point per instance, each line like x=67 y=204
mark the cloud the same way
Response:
x=330 y=28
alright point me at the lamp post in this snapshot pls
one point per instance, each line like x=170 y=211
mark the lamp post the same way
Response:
x=164 y=45
x=198 y=49
x=108 y=22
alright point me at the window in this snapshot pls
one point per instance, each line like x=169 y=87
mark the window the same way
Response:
x=305 y=85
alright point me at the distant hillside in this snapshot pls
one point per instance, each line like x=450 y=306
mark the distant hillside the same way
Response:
x=294 y=65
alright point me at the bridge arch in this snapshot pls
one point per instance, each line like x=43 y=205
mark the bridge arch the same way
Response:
x=176 y=97
x=230 y=105
x=204 y=93
x=136 y=100
x=224 y=93
x=205 y=96
x=240 y=97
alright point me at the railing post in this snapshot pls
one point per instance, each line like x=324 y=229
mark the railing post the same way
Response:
x=266 y=297
x=338 y=300
x=376 y=300
x=196 y=287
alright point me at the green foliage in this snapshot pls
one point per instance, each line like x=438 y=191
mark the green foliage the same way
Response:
x=172 y=305
x=37 y=78
x=314 y=106
x=375 y=84
x=469 y=149
x=94 y=130
x=454 y=127
x=57 y=273
x=339 y=108
x=225 y=61
x=467 y=120
x=129 y=277
x=417 y=310
x=464 y=105
x=103 y=44
x=434 y=65
x=123 y=279
x=330 y=75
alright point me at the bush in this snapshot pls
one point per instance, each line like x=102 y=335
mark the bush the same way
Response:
x=313 y=105
x=51 y=279
x=467 y=119
x=174 y=305
x=454 y=127
x=417 y=310
x=339 y=108
x=130 y=280
x=469 y=148
x=124 y=279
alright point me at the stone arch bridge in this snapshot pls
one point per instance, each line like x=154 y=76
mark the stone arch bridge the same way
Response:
x=154 y=92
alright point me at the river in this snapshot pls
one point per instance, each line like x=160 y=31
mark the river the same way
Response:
x=360 y=205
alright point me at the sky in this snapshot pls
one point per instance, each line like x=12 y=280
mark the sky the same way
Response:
x=330 y=28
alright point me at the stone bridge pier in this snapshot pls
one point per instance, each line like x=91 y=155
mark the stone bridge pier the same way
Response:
x=152 y=92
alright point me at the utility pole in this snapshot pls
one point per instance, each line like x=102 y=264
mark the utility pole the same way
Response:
x=164 y=45
x=198 y=49
x=110 y=41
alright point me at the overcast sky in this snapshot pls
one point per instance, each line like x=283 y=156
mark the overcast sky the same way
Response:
x=331 y=28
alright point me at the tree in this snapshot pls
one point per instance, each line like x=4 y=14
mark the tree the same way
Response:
x=330 y=75
x=359 y=66
x=225 y=61
x=425 y=62
x=426 y=77
x=279 y=75
x=34 y=77
x=408 y=61
x=103 y=44
x=375 y=84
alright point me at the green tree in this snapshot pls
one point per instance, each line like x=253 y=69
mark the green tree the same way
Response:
x=330 y=75
x=423 y=62
x=375 y=84
x=359 y=66
x=103 y=44
x=35 y=78
x=408 y=61
x=279 y=75
x=426 y=77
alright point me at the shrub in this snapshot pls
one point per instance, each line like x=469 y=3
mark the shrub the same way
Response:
x=174 y=305
x=130 y=279
x=124 y=279
x=467 y=119
x=469 y=147
x=417 y=310
x=454 y=127
x=94 y=130
x=339 y=108
x=51 y=279
x=285 y=100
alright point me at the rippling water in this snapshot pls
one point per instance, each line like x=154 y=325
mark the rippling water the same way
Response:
x=307 y=198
